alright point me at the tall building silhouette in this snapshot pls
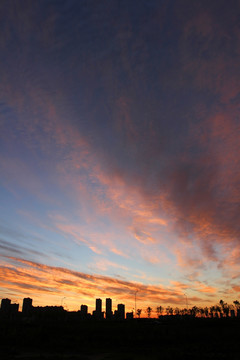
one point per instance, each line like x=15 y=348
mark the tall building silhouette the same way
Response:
x=97 y=313
x=5 y=306
x=108 y=308
x=27 y=306
x=121 y=312
x=98 y=306
x=84 y=312
x=8 y=309
x=84 y=309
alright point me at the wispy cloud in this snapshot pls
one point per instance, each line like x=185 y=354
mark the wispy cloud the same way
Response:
x=62 y=281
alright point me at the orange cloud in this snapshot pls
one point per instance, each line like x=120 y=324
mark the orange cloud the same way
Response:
x=236 y=288
x=180 y=285
x=205 y=288
x=48 y=282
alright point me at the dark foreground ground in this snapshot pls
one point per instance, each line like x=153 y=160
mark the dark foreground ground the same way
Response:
x=168 y=338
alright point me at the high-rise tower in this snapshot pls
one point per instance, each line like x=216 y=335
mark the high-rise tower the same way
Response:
x=108 y=308
x=5 y=306
x=27 y=306
x=98 y=306
x=121 y=311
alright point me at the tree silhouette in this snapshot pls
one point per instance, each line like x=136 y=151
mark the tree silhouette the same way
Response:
x=169 y=310
x=206 y=311
x=225 y=307
x=181 y=312
x=149 y=311
x=176 y=311
x=194 y=311
x=212 y=311
x=139 y=311
x=237 y=304
x=218 y=310
x=159 y=310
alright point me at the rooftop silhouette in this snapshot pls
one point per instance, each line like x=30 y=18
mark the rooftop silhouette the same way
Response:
x=11 y=310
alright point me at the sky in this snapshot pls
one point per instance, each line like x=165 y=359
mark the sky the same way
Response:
x=120 y=152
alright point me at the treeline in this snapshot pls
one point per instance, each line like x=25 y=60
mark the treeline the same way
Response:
x=222 y=309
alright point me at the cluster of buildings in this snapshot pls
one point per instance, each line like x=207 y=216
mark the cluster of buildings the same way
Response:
x=11 y=310
x=118 y=314
x=7 y=308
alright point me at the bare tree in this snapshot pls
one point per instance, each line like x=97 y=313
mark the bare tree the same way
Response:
x=206 y=311
x=159 y=310
x=218 y=311
x=237 y=304
x=176 y=311
x=169 y=310
x=194 y=311
x=225 y=307
x=201 y=311
x=139 y=311
x=212 y=311
x=149 y=311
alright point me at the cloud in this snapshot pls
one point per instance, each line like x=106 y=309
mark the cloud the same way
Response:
x=186 y=162
x=207 y=289
x=39 y=279
x=143 y=237
x=12 y=248
x=105 y=264
x=119 y=252
x=180 y=285
x=236 y=288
